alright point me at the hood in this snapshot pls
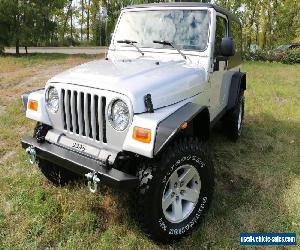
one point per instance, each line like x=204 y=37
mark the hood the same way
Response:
x=167 y=82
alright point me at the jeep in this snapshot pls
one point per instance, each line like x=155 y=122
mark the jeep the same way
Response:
x=140 y=119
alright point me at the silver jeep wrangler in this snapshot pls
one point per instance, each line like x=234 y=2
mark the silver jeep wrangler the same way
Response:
x=140 y=118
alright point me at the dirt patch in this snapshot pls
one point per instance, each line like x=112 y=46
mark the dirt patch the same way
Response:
x=30 y=78
x=42 y=74
x=7 y=156
x=2 y=109
x=234 y=183
x=21 y=129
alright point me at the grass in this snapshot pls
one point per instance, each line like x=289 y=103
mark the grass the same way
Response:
x=257 y=179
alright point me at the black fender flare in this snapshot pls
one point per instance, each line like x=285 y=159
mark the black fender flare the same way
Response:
x=170 y=126
x=238 y=84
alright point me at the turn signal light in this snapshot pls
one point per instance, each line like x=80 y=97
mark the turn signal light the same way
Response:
x=33 y=105
x=142 y=134
x=184 y=125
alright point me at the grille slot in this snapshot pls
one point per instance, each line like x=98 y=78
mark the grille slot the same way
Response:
x=84 y=114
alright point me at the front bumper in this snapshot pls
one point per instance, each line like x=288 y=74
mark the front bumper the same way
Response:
x=80 y=164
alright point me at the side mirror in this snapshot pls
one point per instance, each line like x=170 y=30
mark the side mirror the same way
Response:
x=227 y=47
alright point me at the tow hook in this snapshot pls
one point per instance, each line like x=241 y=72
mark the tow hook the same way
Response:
x=32 y=155
x=93 y=181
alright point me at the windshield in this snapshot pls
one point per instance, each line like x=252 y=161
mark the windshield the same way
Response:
x=187 y=29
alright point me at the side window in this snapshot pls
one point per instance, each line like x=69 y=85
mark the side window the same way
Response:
x=221 y=31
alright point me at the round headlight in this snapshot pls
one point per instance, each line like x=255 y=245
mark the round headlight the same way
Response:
x=52 y=99
x=118 y=115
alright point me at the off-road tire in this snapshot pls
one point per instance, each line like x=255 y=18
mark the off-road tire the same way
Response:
x=55 y=174
x=154 y=177
x=233 y=124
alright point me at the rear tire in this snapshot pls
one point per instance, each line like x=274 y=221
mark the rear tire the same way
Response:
x=175 y=191
x=234 y=119
x=55 y=174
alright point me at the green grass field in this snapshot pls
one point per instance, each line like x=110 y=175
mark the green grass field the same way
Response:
x=257 y=179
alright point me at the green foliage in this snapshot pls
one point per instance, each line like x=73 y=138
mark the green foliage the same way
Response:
x=52 y=22
x=4 y=25
x=260 y=55
x=292 y=56
x=266 y=23
x=28 y=22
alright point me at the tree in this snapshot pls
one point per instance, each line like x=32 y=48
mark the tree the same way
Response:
x=4 y=24
x=29 y=22
x=88 y=20
x=82 y=18
x=41 y=22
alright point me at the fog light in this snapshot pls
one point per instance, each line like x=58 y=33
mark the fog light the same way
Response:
x=142 y=134
x=33 y=105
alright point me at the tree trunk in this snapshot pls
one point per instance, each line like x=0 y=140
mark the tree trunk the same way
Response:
x=66 y=20
x=256 y=35
x=82 y=17
x=17 y=31
x=264 y=39
x=71 y=26
x=270 y=26
x=251 y=22
x=26 y=50
x=88 y=22
x=17 y=46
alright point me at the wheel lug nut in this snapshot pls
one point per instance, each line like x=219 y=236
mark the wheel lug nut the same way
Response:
x=175 y=185
x=182 y=192
x=181 y=184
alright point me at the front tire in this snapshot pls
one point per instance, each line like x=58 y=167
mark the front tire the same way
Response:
x=176 y=190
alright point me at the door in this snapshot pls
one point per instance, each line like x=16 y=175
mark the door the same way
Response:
x=219 y=68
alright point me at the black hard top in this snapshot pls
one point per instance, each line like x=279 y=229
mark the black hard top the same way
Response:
x=185 y=4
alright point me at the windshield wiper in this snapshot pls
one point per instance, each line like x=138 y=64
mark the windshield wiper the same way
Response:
x=172 y=45
x=132 y=43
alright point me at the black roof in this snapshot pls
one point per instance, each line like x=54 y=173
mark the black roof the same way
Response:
x=185 y=4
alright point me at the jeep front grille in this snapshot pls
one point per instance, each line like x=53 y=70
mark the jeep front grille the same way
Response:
x=84 y=114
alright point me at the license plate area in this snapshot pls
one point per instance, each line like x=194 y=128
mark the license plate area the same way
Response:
x=79 y=146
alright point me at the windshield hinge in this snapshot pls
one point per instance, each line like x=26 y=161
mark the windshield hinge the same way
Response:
x=148 y=103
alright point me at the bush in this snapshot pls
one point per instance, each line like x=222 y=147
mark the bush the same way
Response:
x=70 y=42
x=260 y=55
x=292 y=56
